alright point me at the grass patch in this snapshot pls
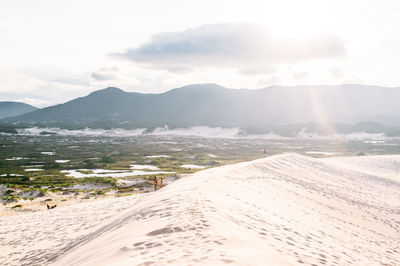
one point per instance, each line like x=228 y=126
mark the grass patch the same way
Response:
x=123 y=195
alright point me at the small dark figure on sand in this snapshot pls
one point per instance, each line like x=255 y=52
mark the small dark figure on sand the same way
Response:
x=51 y=207
x=155 y=183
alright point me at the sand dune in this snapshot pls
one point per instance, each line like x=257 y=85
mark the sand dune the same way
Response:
x=282 y=210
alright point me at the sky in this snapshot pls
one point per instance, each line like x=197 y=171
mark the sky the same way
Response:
x=52 y=51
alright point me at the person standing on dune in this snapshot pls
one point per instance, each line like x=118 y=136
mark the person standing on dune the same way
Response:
x=161 y=180
x=265 y=152
x=155 y=183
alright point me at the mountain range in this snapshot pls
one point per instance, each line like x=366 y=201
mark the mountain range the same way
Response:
x=8 y=109
x=214 y=105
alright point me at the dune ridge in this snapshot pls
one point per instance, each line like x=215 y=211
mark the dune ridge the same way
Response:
x=281 y=210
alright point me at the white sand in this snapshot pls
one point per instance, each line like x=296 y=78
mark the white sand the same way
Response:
x=62 y=161
x=48 y=153
x=14 y=159
x=322 y=153
x=158 y=156
x=282 y=210
x=192 y=166
x=144 y=167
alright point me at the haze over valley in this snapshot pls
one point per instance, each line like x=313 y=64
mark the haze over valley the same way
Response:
x=284 y=111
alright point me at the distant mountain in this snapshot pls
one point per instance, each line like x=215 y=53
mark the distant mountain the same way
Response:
x=213 y=105
x=8 y=109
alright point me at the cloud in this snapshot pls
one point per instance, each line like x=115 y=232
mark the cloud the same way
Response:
x=101 y=76
x=249 y=48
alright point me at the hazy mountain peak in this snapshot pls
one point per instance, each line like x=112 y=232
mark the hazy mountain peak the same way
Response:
x=108 y=91
x=8 y=109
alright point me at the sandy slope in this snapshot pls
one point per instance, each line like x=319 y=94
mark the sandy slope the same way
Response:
x=286 y=209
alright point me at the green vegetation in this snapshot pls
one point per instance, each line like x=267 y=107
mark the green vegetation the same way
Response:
x=124 y=195
x=89 y=164
x=8 y=129
x=51 y=166
x=106 y=160
x=100 y=192
x=110 y=153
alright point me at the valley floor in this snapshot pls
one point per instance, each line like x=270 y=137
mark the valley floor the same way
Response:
x=281 y=210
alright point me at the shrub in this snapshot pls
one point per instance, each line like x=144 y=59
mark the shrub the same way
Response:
x=106 y=159
x=89 y=164
x=51 y=166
